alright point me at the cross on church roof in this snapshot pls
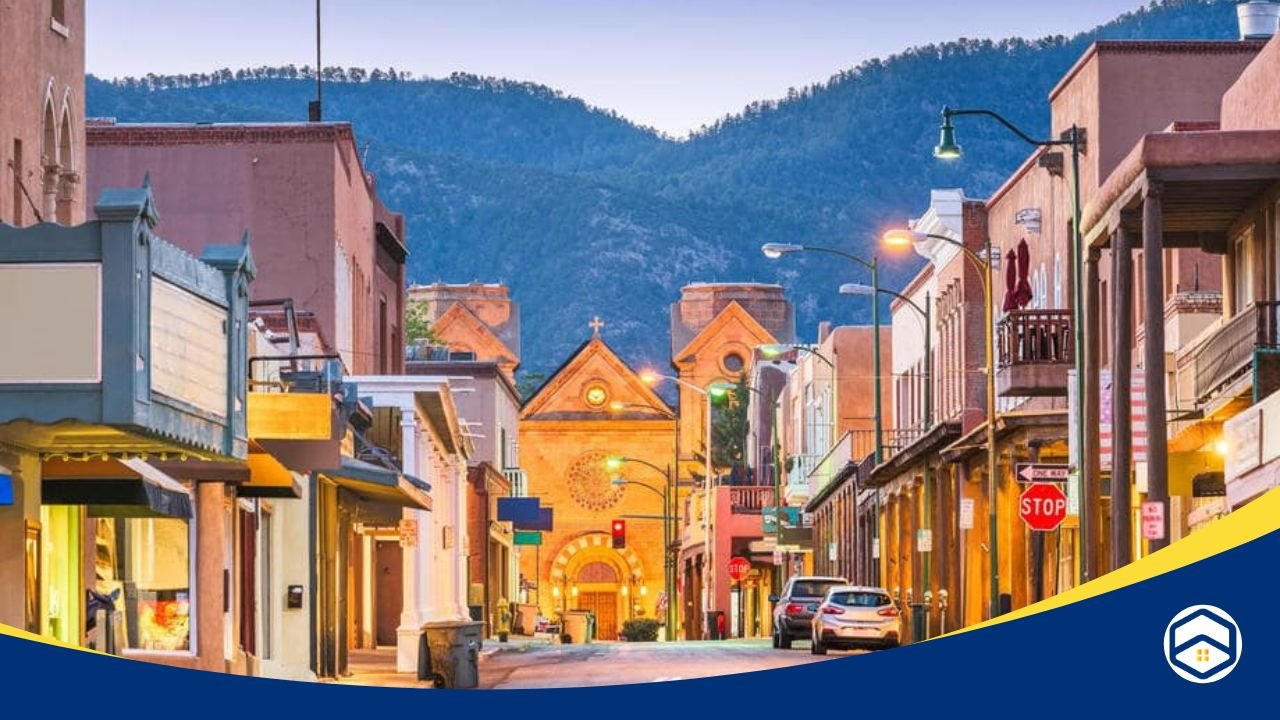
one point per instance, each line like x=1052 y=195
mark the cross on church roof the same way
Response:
x=596 y=325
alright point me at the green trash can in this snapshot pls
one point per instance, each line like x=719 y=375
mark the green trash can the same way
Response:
x=449 y=654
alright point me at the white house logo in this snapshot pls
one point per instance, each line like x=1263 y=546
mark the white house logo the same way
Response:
x=1202 y=644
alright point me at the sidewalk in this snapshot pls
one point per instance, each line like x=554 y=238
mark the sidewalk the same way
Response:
x=377 y=668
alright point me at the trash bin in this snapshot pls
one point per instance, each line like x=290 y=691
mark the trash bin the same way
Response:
x=526 y=619
x=449 y=654
x=919 y=622
x=714 y=621
x=575 y=626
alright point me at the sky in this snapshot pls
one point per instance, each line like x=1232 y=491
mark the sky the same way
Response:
x=669 y=64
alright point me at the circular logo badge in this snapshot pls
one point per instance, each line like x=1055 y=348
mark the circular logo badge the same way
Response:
x=1202 y=644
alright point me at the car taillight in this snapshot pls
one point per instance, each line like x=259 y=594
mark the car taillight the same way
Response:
x=832 y=610
x=794 y=608
x=888 y=612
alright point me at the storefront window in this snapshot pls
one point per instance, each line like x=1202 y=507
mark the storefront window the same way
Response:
x=144 y=565
x=62 y=580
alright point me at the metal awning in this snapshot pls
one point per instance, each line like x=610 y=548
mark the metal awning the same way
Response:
x=148 y=493
x=378 y=484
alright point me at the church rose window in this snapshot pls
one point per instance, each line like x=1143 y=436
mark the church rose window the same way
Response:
x=590 y=484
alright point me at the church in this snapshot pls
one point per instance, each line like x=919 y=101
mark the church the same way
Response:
x=596 y=407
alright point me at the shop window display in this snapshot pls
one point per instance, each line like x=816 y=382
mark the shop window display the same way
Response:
x=145 y=564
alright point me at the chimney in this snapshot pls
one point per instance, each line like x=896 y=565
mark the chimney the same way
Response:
x=824 y=331
x=1259 y=19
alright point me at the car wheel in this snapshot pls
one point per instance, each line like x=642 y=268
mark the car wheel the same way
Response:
x=817 y=648
x=784 y=641
x=774 y=638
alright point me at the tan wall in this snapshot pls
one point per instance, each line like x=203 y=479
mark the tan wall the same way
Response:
x=39 y=64
x=548 y=452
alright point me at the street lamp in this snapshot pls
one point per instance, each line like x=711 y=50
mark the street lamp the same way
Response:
x=614 y=464
x=1074 y=138
x=774 y=251
x=906 y=238
x=650 y=377
x=926 y=315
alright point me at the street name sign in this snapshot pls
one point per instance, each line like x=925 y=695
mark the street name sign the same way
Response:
x=1043 y=507
x=527 y=537
x=1042 y=472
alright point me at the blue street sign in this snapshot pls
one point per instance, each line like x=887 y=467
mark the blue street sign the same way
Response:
x=6 y=490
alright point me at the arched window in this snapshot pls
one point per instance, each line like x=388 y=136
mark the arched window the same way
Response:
x=68 y=179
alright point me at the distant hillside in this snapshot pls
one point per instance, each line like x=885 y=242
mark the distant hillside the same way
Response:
x=584 y=213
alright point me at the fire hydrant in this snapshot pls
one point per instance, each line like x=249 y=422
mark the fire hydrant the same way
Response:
x=504 y=619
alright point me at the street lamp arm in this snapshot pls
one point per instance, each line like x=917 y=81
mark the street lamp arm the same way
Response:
x=646 y=486
x=914 y=305
x=949 y=113
x=979 y=264
x=646 y=463
x=870 y=265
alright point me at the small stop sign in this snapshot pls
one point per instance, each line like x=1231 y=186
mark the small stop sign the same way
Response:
x=739 y=567
x=1043 y=507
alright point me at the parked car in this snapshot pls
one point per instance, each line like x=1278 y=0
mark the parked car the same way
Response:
x=855 y=616
x=793 y=610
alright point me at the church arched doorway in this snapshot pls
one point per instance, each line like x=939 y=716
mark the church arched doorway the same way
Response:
x=589 y=574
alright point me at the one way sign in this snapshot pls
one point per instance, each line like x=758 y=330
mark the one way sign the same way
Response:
x=1041 y=472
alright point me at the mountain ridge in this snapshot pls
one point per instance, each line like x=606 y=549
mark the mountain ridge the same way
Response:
x=504 y=180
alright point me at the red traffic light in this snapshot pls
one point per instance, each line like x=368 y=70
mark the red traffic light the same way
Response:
x=619 y=532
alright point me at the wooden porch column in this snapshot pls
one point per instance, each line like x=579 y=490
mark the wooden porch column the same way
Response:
x=1121 y=397
x=1153 y=284
x=1090 y=504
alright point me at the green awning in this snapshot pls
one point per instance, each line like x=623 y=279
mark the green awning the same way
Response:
x=378 y=484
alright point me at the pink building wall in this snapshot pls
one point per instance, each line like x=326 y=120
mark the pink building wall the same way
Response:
x=299 y=190
x=41 y=65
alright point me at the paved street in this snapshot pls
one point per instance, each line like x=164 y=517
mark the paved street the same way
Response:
x=622 y=663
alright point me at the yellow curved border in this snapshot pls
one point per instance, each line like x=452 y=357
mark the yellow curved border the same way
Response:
x=1247 y=524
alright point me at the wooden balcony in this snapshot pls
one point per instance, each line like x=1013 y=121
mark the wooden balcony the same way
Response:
x=749 y=499
x=1219 y=358
x=1033 y=353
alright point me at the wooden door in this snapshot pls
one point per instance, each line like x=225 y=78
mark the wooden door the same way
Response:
x=390 y=591
x=605 y=607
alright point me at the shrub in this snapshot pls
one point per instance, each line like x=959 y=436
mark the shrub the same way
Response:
x=640 y=630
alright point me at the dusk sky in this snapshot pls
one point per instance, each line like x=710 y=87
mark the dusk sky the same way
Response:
x=666 y=63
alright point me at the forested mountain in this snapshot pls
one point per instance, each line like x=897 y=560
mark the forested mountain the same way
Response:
x=585 y=213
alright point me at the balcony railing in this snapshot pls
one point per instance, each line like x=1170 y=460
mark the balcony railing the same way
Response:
x=1034 y=337
x=1224 y=355
x=750 y=500
x=519 y=481
x=1034 y=353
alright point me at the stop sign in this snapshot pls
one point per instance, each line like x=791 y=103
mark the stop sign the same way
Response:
x=738 y=567
x=1043 y=507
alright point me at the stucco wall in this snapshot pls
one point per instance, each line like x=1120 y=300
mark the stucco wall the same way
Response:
x=1253 y=102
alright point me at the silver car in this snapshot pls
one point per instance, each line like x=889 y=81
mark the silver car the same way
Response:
x=855 y=616
x=793 y=610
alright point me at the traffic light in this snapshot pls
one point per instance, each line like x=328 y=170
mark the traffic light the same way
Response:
x=619 y=534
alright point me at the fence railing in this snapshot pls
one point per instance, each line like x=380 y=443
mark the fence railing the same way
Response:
x=1026 y=337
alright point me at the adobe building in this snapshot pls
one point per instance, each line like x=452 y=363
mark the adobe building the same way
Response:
x=42 y=151
x=568 y=430
x=475 y=322
x=715 y=331
x=320 y=232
